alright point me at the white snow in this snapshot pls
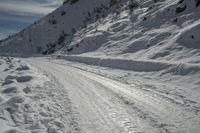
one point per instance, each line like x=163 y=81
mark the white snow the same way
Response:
x=31 y=101
x=112 y=70
x=127 y=101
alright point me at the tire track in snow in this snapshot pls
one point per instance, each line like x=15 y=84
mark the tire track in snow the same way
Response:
x=68 y=114
x=175 y=98
x=118 y=105
x=101 y=108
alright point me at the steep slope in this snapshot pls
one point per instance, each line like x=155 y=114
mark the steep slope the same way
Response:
x=61 y=23
x=161 y=30
x=145 y=29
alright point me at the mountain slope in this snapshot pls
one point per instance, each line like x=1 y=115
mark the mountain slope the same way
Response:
x=36 y=37
x=161 y=30
x=153 y=31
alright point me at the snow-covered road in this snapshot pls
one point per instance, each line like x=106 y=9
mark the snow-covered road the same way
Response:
x=103 y=105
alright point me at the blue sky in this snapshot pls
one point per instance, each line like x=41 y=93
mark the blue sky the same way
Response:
x=18 y=14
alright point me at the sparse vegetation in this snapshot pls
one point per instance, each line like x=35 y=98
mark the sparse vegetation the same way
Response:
x=180 y=8
x=69 y=49
x=50 y=48
x=175 y=19
x=63 y=13
x=155 y=1
x=145 y=18
x=70 y=2
x=45 y=52
x=61 y=38
x=77 y=45
x=48 y=45
x=97 y=16
x=181 y=1
x=133 y=4
x=197 y=3
x=113 y=2
x=89 y=14
x=73 y=31
x=39 y=49
x=52 y=21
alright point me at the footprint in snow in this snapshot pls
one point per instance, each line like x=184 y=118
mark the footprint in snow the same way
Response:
x=8 y=60
x=10 y=77
x=11 y=66
x=1 y=99
x=27 y=90
x=44 y=114
x=13 y=131
x=59 y=124
x=12 y=105
x=17 y=99
x=6 y=69
x=23 y=68
x=23 y=79
x=10 y=90
x=52 y=130
x=7 y=82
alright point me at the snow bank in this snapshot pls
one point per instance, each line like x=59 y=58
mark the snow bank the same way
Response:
x=136 y=65
x=31 y=101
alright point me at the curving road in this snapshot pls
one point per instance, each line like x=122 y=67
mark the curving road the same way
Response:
x=104 y=105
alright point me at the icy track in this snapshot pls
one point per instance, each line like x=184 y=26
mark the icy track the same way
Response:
x=104 y=105
x=77 y=100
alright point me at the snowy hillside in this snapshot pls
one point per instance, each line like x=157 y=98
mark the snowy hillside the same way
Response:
x=50 y=30
x=152 y=31
x=161 y=30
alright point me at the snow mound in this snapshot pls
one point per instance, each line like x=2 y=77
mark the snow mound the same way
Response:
x=183 y=69
x=32 y=102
